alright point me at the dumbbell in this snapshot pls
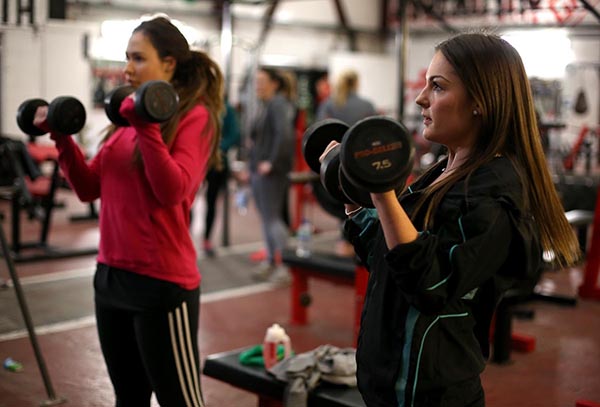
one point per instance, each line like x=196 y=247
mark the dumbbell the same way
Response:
x=66 y=115
x=374 y=155
x=155 y=102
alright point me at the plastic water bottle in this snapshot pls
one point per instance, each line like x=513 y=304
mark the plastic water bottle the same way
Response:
x=304 y=239
x=12 y=365
x=275 y=336
x=242 y=196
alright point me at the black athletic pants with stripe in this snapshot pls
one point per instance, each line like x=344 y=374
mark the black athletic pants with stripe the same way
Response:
x=148 y=334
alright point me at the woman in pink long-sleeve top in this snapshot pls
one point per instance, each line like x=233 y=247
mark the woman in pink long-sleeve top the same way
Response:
x=146 y=176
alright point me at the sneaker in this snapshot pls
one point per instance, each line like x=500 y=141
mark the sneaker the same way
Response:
x=259 y=255
x=263 y=271
x=208 y=248
x=281 y=277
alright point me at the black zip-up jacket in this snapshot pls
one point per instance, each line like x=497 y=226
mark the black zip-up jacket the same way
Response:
x=429 y=304
x=272 y=135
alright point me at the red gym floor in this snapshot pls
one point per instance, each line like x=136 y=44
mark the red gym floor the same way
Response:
x=564 y=366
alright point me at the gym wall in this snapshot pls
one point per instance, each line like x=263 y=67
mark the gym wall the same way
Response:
x=43 y=63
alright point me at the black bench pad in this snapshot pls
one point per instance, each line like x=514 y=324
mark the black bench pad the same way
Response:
x=227 y=368
x=322 y=262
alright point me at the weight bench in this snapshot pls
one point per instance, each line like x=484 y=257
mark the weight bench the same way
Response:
x=41 y=153
x=35 y=193
x=325 y=266
x=345 y=270
x=48 y=153
x=227 y=368
x=503 y=338
x=580 y=220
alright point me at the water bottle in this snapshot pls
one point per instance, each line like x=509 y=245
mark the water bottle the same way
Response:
x=242 y=195
x=12 y=365
x=304 y=238
x=274 y=337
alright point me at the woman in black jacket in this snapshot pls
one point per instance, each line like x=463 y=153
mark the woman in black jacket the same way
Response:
x=473 y=226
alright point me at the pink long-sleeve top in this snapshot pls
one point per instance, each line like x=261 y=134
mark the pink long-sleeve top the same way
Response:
x=144 y=212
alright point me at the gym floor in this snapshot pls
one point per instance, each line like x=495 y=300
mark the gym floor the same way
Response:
x=563 y=368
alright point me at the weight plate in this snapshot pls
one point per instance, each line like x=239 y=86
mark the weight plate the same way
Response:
x=317 y=137
x=377 y=154
x=157 y=102
x=66 y=115
x=112 y=104
x=25 y=115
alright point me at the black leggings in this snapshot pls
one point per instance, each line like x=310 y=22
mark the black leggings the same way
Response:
x=216 y=181
x=153 y=350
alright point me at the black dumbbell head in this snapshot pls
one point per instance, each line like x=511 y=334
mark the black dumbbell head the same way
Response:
x=112 y=104
x=66 y=115
x=156 y=101
x=317 y=137
x=329 y=173
x=377 y=154
x=25 y=115
x=332 y=206
x=359 y=196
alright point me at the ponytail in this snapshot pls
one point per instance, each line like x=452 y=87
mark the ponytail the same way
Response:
x=346 y=84
x=200 y=81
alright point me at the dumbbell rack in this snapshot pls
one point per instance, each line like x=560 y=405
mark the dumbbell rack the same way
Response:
x=53 y=400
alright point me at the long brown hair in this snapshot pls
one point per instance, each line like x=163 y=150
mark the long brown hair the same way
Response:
x=494 y=76
x=197 y=80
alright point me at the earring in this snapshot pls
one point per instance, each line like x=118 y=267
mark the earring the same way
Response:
x=475 y=112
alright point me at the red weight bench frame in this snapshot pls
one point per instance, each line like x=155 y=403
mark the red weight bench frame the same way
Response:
x=344 y=270
x=590 y=287
x=48 y=153
x=325 y=266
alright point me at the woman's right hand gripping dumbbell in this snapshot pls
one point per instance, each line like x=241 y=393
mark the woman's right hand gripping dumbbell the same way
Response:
x=65 y=115
x=39 y=119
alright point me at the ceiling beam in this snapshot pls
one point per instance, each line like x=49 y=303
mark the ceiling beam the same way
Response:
x=217 y=10
x=383 y=19
x=590 y=8
x=267 y=23
x=345 y=26
x=428 y=9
